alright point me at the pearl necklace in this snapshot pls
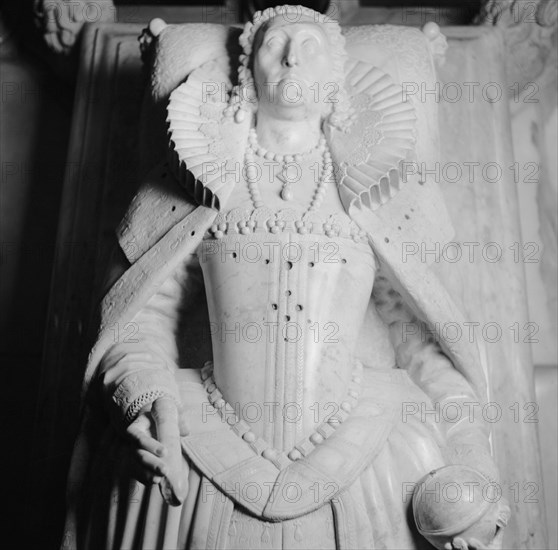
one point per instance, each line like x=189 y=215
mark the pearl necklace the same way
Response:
x=305 y=446
x=286 y=193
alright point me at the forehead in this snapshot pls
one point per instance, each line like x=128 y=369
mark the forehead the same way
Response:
x=302 y=25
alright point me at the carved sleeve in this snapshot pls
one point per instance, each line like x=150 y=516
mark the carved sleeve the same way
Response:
x=139 y=367
x=455 y=407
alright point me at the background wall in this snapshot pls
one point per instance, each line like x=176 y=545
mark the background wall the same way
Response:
x=534 y=127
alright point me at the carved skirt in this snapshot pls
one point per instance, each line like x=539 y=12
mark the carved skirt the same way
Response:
x=372 y=511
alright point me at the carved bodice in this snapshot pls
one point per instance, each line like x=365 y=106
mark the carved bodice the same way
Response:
x=286 y=296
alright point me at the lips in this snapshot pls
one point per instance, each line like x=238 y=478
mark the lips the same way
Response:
x=294 y=77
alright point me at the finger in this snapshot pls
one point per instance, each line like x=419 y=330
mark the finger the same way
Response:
x=48 y=41
x=165 y=415
x=65 y=49
x=143 y=475
x=174 y=484
x=50 y=18
x=64 y=15
x=460 y=543
x=50 y=22
x=151 y=463
x=52 y=14
x=52 y=42
x=132 y=465
x=183 y=423
x=67 y=38
x=144 y=423
x=76 y=13
x=163 y=410
x=145 y=467
x=66 y=21
x=144 y=441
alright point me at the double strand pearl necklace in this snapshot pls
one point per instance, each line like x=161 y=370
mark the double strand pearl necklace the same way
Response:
x=305 y=446
x=286 y=194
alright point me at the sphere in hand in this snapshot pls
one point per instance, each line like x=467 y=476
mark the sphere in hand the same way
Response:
x=456 y=501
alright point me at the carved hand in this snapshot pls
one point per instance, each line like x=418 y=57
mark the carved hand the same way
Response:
x=459 y=543
x=62 y=20
x=156 y=450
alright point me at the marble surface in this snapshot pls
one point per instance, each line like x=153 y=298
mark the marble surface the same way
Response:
x=132 y=95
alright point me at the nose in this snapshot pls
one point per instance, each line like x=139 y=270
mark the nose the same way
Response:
x=290 y=57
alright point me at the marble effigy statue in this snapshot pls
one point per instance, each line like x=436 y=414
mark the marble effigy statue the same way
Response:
x=283 y=361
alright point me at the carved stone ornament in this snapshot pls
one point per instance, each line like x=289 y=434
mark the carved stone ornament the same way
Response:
x=61 y=21
x=273 y=234
x=530 y=29
x=253 y=6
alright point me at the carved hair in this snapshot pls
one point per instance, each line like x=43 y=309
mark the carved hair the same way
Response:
x=244 y=95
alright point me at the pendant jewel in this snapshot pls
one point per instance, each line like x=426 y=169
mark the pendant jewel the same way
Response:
x=286 y=192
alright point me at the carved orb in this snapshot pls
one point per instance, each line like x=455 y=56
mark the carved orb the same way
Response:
x=456 y=501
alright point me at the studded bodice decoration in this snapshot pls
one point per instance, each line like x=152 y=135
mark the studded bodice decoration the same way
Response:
x=245 y=221
x=281 y=342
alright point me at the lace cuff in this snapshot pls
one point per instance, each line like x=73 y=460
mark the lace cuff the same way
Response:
x=142 y=388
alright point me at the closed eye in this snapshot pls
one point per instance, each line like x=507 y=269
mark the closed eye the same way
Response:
x=274 y=42
x=310 y=44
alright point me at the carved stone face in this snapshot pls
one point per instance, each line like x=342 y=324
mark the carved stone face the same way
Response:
x=292 y=67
